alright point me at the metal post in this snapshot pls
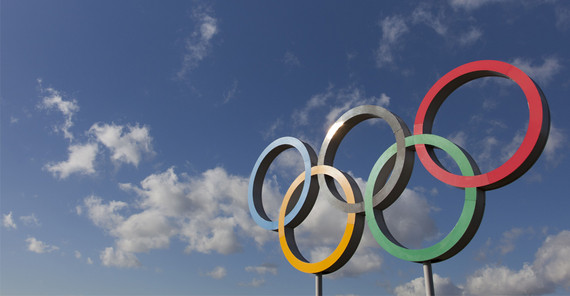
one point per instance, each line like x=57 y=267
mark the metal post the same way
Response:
x=318 y=284
x=428 y=279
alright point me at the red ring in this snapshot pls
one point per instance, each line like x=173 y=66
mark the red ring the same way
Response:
x=533 y=142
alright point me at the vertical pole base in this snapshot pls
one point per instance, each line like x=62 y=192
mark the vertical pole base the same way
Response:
x=318 y=284
x=428 y=279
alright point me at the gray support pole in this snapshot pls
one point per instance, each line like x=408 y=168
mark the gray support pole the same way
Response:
x=428 y=279
x=318 y=284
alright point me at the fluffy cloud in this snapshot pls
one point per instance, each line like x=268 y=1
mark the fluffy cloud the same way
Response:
x=556 y=140
x=127 y=144
x=263 y=269
x=54 y=100
x=549 y=271
x=290 y=59
x=8 y=221
x=423 y=15
x=336 y=102
x=542 y=73
x=119 y=258
x=471 y=4
x=30 y=220
x=363 y=261
x=218 y=273
x=409 y=219
x=104 y=215
x=39 y=247
x=198 y=44
x=416 y=287
x=393 y=27
x=209 y=212
x=81 y=160
x=254 y=283
x=509 y=237
x=470 y=36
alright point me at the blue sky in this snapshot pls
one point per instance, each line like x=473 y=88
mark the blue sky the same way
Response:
x=129 y=130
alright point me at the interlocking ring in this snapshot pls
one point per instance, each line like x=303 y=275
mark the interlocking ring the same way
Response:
x=400 y=170
x=533 y=142
x=462 y=232
x=307 y=198
x=352 y=233
x=391 y=173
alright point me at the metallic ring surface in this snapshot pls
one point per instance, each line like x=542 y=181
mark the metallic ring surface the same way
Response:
x=462 y=232
x=401 y=169
x=531 y=146
x=350 y=239
x=307 y=197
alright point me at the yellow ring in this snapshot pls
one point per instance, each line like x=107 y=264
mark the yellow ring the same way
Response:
x=350 y=239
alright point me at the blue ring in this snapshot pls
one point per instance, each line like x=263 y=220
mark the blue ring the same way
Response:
x=310 y=187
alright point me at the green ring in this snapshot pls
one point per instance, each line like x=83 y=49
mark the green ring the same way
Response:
x=461 y=233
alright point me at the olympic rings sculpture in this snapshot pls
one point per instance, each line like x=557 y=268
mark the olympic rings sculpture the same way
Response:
x=391 y=173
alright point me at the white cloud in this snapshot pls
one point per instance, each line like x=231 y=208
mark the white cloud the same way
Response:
x=422 y=15
x=336 y=102
x=143 y=232
x=54 y=100
x=218 y=273
x=416 y=287
x=487 y=157
x=269 y=133
x=8 y=221
x=262 y=269
x=81 y=160
x=393 y=27
x=408 y=219
x=301 y=117
x=89 y=260
x=350 y=98
x=208 y=212
x=119 y=258
x=459 y=138
x=104 y=215
x=77 y=254
x=471 y=4
x=363 y=261
x=509 y=237
x=541 y=73
x=552 y=149
x=254 y=283
x=127 y=144
x=30 y=220
x=549 y=271
x=290 y=59
x=470 y=36
x=198 y=44
x=502 y=280
x=39 y=247
x=556 y=141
